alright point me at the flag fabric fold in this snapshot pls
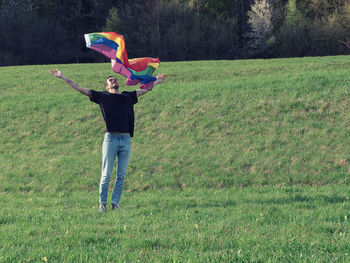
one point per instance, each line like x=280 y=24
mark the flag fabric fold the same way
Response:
x=112 y=45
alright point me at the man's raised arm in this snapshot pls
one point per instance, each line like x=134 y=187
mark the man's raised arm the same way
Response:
x=160 y=79
x=69 y=82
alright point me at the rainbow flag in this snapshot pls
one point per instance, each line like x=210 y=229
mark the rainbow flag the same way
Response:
x=112 y=46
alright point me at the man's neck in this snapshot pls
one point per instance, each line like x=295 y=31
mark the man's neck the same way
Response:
x=114 y=91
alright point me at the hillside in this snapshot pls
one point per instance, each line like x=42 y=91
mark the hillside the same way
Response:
x=213 y=124
x=232 y=161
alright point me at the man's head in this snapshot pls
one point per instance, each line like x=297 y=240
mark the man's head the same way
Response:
x=111 y=83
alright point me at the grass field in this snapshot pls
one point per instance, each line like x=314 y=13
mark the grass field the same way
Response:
x=232 y=161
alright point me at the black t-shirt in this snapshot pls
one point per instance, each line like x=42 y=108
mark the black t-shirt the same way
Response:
x=117 y=110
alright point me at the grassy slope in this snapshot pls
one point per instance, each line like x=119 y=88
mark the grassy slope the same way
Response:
x=212 y=127
x=213 y=124
x=243 y=225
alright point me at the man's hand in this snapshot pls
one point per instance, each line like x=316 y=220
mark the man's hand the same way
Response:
x=160 y=79
x=69 y=82
x=144 y=90
x=56 y=73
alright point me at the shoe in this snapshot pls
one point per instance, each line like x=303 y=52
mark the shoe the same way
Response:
x=116 y=207
x=102 y=208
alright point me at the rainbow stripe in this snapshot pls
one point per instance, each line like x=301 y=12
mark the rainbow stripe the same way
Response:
x=112 y=46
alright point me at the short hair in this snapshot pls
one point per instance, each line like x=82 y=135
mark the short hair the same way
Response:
x=107 y=79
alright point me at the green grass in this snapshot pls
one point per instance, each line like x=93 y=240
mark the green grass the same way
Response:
x=232 y=161
x=264 y=224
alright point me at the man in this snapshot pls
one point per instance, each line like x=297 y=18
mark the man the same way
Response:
x=118 y=113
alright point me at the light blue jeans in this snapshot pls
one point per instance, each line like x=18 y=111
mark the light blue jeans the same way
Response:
x=114 y=146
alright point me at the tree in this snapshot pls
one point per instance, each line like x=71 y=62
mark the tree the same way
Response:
x=292 y=35
x=113 y=21
x=16 y=28
x=261 y=24
x=343 y=19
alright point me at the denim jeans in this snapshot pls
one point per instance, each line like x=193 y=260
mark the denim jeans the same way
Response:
x=114 y=146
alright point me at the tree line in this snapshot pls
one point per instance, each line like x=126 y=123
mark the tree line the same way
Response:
x=48 y=31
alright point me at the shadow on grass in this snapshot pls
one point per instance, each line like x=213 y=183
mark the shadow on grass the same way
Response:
x=212 y=204
x=301 y=199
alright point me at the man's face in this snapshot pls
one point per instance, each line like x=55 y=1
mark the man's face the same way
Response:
x=112 y=83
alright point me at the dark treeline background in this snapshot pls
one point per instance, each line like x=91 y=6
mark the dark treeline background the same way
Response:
x=51 y=31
